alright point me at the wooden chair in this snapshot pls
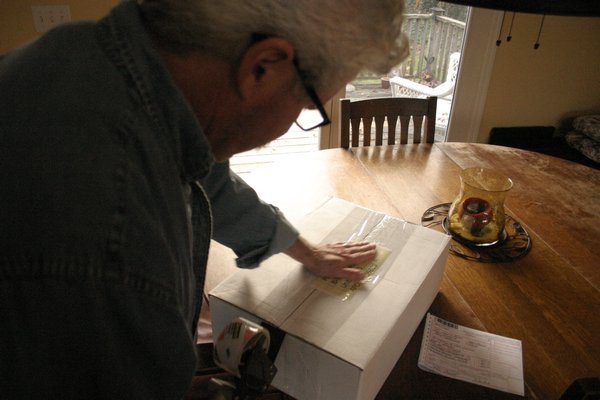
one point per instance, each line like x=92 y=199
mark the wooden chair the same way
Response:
x=390 y=109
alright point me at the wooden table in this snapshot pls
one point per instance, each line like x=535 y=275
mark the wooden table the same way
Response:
x=550 y=299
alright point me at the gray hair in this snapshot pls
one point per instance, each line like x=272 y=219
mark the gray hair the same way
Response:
x=334 y=39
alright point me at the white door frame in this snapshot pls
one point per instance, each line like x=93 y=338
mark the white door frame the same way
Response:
x=475 y=71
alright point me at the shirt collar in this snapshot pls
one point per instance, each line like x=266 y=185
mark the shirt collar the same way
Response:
x=134 y=50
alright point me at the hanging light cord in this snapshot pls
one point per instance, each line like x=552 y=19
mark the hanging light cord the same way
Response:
x=512 y=21
x=498 y=41
x=537 y=41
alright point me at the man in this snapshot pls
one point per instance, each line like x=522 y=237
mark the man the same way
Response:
x=108 y=134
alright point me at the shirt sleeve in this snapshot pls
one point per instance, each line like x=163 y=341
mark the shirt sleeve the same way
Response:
x=253 y=229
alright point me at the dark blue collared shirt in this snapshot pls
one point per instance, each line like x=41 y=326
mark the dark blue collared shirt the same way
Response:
x=104 y=230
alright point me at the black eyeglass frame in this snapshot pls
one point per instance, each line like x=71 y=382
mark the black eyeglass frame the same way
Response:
x=312 y=94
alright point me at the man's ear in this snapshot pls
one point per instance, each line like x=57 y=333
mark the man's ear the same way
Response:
x=265 y=66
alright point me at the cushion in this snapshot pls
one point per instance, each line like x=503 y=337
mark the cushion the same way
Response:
x=588 y=124
x=582 y=143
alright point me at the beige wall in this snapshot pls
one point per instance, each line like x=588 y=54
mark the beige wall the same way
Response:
x=16 y=19
x=540 y=87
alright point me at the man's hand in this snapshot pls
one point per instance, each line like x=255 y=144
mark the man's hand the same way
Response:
x=333 y=260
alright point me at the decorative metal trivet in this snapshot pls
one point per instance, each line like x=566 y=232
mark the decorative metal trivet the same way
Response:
x=513 y=244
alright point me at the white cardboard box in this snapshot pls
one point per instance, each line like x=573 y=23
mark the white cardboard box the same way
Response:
x=334 y=348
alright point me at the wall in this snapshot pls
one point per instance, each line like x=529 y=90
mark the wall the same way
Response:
x=559 y=80
x=16 y=19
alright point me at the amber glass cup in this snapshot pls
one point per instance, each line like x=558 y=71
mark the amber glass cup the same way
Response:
x=477 y=214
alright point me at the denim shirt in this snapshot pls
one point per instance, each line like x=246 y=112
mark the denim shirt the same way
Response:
x=106 y=181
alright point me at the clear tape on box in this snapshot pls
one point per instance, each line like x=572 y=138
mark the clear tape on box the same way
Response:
x=372 y=227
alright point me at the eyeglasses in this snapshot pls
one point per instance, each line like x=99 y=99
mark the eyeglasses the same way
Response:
x=308 y=121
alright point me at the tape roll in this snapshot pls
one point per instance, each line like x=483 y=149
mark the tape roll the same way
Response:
x=237 y=338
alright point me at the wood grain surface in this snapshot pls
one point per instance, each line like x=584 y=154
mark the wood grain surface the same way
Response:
x=550 y=299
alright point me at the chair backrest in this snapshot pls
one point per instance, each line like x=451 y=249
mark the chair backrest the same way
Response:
x=422 y=112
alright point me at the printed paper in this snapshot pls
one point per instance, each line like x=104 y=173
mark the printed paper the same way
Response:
x=472 y=356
